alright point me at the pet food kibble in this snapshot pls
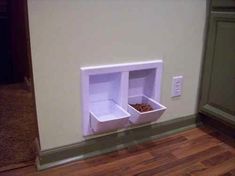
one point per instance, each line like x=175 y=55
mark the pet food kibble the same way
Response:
x=142 y=107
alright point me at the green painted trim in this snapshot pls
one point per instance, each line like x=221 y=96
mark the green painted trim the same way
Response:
x=218 y=124
x=207 y=69
x=219 y=114
x=121 y=140
x=215 y=16
x=204 y=53
x=223 y=4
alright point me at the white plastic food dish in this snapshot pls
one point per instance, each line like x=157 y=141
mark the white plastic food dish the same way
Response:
x=138 y=117
x=107 y=116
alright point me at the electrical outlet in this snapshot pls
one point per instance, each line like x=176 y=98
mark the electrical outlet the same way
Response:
x=176 y=89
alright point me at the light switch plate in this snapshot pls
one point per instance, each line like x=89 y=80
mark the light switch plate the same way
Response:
x=177 y=83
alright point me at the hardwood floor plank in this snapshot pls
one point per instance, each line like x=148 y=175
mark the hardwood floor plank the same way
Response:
x=189 y=170
x=197 y=132
x=198 y=151
x=171 y=146
x=199 y=144
x=157 y=161
x=181 y=163
x=116 y=166
x=219 y=169
x=229 y=173
x=220 y=158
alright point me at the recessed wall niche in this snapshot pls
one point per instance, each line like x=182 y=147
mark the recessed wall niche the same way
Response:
x=105 y=94
x=109 y=91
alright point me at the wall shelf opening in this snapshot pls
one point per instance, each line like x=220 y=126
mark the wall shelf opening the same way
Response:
x=106 y=114
x=142 y=82
x=105 y=87
x=107 y=90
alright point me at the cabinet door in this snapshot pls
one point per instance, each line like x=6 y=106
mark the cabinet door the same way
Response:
x=218 y=79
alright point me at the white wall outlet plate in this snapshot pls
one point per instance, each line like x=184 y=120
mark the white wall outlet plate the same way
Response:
x=177 y=83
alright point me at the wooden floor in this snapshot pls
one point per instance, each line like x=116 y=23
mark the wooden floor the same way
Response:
x=200 y=151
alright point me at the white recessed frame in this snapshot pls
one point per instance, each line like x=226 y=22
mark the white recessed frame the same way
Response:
x=106 y=90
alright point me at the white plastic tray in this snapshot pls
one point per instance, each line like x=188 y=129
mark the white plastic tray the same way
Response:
x=107 y=116
x=138 y=117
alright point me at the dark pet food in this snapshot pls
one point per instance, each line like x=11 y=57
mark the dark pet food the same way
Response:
x=143 y=107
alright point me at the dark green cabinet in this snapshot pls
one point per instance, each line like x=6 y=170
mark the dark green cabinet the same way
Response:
x=217 y=97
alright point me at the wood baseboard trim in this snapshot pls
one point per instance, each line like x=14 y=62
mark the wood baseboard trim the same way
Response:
x=102 y=145
x=219 y=124
x=218 y=114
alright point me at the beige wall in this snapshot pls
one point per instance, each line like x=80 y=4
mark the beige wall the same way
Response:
x=68 y=34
